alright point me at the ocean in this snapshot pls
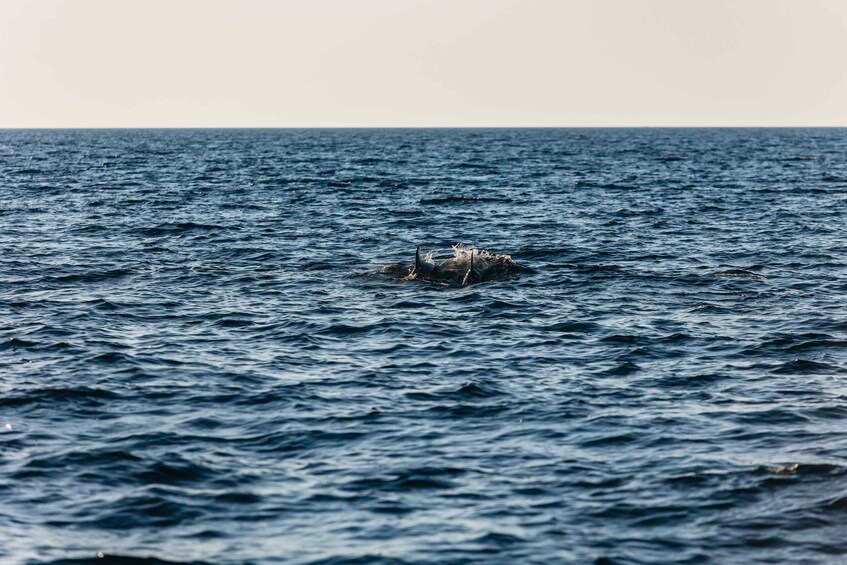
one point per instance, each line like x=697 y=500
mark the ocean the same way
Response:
x=203 y=358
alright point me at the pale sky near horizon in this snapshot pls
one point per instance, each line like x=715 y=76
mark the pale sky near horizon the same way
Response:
x=394 y=63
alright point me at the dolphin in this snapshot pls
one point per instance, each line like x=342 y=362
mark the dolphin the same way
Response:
x=423 y=268
x=463 y=269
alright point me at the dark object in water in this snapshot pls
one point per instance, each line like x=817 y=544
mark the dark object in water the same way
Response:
x=473 y=275
x=466 y=267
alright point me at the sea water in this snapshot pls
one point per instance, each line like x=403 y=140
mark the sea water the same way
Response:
x=202 y=358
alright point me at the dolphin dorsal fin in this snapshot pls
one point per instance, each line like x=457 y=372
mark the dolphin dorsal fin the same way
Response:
x=470 y=276
x=422 y=267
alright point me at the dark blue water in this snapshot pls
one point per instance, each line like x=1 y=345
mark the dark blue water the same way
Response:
x=201 y=358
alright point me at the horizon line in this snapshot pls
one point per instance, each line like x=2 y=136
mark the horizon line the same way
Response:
x=461 y=127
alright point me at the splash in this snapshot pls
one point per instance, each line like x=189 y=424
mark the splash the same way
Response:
x=452 y=271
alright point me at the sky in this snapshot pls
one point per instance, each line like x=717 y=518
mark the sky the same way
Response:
x=422 y=63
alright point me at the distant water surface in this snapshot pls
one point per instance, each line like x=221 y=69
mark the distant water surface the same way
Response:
x=201 y=359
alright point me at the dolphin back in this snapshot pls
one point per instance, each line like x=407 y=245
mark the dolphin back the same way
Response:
x=473 y=275
x=466 y=267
